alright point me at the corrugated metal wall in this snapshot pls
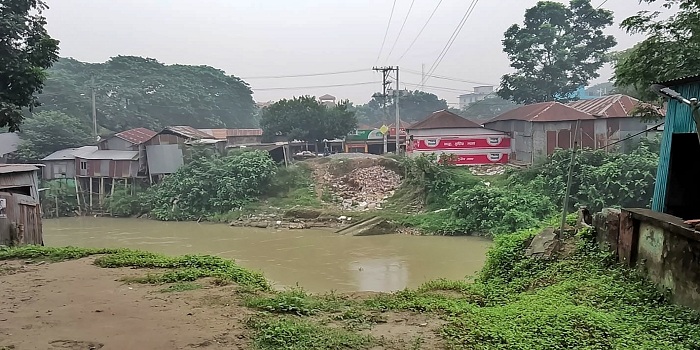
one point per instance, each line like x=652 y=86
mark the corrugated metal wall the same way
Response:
x=22 y=224
x=679 y=119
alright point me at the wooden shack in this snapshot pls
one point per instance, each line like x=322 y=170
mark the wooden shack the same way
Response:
x=20 y=210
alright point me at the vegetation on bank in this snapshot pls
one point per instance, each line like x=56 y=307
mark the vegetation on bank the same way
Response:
x=578 y=300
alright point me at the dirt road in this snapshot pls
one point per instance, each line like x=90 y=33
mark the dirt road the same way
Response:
x=78 y=306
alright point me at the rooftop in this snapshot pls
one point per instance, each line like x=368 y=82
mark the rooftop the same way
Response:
x=187 y=131
x=612 y=106
x=8 y=142
x=18 y=168
x=136 y=136
x=111 y=155
x=222 y=134
x=443 y=119
x=544 y=112
x=682 y=80
x=71 y=153
x=327 y=97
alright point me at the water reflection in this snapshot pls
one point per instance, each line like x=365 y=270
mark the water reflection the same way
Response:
x=318 y=260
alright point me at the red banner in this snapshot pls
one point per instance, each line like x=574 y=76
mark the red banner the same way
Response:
x=392 y=131
x=461 y=143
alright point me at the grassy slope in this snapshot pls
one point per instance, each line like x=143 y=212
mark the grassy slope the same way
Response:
x=580 y=302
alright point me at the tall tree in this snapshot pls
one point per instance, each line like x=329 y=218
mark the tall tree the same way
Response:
x=48 y=132
x=304 y=118
x=669 y=51
x=27 y=51
x=142 y=92
x=413 y=106
x=487 y=108
x=558 y=49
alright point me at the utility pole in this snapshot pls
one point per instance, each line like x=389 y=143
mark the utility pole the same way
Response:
x=398 y=118
x=422 y=75
x=385 y=83
x=94 y=107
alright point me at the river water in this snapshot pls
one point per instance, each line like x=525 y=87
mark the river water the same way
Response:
x=317 y=260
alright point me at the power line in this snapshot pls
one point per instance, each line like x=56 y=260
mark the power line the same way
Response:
x=307 y=75
x=387 y=31
x=420 y=32
x=454 y=36
x=635 y=135
x=400 y=30
x=447 y=78
x=313 y=87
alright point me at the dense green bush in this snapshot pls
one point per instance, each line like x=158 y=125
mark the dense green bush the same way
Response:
x=600 y=179
x=124 y=203
x=61 y=192
x=210 y=184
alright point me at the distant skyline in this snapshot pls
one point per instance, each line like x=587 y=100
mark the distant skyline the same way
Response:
x=252 y=39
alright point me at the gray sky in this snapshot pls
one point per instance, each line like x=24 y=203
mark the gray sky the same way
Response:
x=252 y=38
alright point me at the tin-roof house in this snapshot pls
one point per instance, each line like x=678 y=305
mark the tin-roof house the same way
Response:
x=20 y=210
x=166 y=150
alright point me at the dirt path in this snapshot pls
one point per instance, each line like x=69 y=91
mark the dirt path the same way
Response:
x=76 y=305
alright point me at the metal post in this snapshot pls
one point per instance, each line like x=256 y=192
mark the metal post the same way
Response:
x=94 y=107
x=77 y=195
x=569 y=179
x=398 y=118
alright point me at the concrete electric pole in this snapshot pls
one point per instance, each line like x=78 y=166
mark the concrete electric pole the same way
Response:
x=386 y=71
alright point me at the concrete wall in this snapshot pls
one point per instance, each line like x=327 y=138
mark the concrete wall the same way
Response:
x=658 y=245
x=117 y=144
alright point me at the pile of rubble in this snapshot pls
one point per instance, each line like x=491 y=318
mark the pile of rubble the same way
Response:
x=365 y=188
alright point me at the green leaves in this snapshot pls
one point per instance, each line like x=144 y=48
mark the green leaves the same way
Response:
x=558 y=49
x=50 y=131
x=669 y=50
x=304 y=118
x=27 y=51
x=209 y=185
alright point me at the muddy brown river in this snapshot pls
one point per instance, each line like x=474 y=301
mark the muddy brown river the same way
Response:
x=317 y=260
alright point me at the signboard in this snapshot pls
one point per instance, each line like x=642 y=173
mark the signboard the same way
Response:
x=402 y=131
x=384 y=129
x=461 y=143
x=3 y=208
x=480 y=159
x=364 y=135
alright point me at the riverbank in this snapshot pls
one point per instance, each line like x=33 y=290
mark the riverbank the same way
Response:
x=576 y=299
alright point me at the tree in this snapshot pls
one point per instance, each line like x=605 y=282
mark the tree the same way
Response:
x=142 y=92
x=304 y=118
x=413 y=105
x=559 y=49
x=487 y=108
x=48 y=132
x=27 y=51
x=669 y=51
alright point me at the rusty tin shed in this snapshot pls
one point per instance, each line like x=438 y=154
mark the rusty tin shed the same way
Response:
x=20 y=210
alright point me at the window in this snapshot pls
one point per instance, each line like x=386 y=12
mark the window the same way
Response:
x=83 y=165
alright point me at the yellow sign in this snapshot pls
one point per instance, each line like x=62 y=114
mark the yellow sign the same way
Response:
x=384 y=129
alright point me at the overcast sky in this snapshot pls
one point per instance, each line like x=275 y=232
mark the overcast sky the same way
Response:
x=253 y=38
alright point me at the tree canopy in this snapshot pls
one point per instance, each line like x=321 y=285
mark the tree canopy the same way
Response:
x=27 y=51
x=304 y=118
x=487 y=108
x=142 y=92
x=50 y=131
x=669 y=51
x=413 y=105
x=558 y=49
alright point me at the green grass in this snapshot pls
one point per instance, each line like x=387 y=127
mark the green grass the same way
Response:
x=181 y=287
x=291 y=333
x=186 y=268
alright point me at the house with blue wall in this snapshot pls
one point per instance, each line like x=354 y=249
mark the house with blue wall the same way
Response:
x=677 y=190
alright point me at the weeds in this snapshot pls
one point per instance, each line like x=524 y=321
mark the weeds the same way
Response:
x=50 y=253
x=181 y=287
x=298 y=334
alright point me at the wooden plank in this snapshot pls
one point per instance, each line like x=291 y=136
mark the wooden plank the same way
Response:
x=627 y=239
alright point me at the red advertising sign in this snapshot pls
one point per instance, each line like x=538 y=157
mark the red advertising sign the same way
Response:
x=461 y=143
x=392 y=131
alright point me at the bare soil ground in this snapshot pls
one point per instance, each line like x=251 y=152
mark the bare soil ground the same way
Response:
x=78 y=306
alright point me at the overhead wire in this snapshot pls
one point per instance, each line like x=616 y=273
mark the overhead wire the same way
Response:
x=316 y=86
x=453 y=37
x=409 y=71
x=401 y=30
x=307 y=75
x=420 y=32
x=388 y=25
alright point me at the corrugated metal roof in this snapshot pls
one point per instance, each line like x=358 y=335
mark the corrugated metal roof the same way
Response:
x=443 y=119
x=612 y=106
x=682 y=80
x=71 y=153
x=327 y=97
x=222 y=134
x=8 y=142
x=111 y=155
x=18 y=168
x=543 y=112
x=136 y=136
x=187 y=131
